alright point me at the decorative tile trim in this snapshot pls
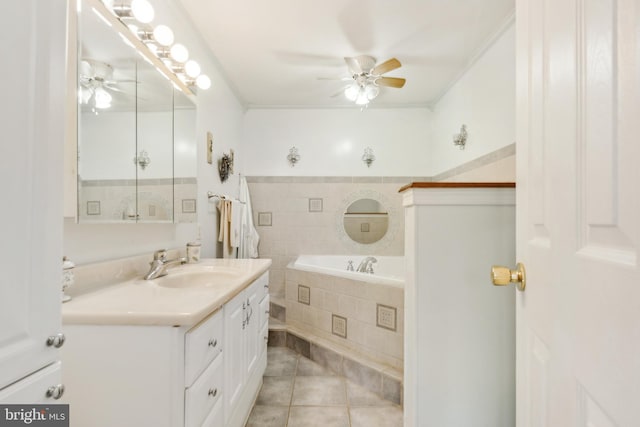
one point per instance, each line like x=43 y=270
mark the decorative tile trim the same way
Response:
x=188 y=205
x=386 y=317
x=304 y=294
x=93 y=207
x=339 y=326
x=315 y=205
x=264 y=219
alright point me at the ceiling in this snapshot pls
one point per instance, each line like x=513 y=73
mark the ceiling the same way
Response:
x=273 y=52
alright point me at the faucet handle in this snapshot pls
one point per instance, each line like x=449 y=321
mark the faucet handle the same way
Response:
x=160 y=254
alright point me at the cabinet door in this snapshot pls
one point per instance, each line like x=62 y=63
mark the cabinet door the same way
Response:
x=234 y=352
x=253 y=326
x=33 y=90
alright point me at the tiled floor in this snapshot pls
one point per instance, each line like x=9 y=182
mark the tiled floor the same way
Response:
x=300 y=393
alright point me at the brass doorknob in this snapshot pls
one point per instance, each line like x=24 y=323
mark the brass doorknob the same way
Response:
x=502 y=276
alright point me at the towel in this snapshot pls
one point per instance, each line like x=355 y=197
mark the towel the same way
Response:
x=225 y=228
x=249 y=236
x=235 y=223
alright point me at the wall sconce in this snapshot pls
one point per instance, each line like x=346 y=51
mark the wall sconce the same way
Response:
x=142 y=159
x=293 y=156
x=368 y=156
x=460 y=139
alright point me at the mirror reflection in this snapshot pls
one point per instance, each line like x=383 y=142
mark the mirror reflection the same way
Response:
x=134 y=132
x=366 y=221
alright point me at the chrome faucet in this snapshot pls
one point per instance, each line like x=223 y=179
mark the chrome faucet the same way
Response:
x=366 y=266
x=160 y=264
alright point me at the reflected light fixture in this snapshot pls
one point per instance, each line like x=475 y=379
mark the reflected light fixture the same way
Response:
x=142 y=159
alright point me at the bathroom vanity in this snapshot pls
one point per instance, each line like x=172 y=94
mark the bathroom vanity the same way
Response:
x=187 y=349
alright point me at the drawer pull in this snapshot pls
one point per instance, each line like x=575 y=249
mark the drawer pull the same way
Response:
x=266 y=286
x=213 y=392
x=266 y=338
x=266 y=312
x=56 y=340
x=213 y=342
x=55 y=391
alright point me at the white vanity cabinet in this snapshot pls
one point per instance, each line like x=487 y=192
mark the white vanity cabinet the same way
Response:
x=168 y=376
x=243 y=339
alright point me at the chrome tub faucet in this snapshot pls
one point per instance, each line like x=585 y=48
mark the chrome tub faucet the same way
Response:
x=366 y=266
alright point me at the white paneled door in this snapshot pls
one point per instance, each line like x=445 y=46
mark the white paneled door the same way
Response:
x=32 y=132
x=578 y=212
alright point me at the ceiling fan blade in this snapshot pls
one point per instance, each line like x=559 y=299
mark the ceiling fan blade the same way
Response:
x=391 y=82
x=353 y=65
x=338 y=93
x=386 y=66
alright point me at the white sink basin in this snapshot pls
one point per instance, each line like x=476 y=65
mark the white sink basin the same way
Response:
x=203 y=277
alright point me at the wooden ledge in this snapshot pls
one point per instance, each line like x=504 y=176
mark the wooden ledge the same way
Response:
x=457 y=185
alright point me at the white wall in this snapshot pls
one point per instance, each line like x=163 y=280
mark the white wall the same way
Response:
x=483 y=99
x=331 y=141
x=220 y=112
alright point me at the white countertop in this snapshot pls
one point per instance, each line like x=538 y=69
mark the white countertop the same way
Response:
x=145 y=302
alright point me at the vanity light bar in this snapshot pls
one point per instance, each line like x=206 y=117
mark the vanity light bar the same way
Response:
x=143 y=40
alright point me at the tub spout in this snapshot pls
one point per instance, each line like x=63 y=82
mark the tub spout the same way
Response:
x=366 y=266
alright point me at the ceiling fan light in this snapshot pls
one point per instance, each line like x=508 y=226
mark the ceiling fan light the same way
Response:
x=362 y=98
x=351 y=92
x=102 y=98
x=163 y=35
x=203 y=82
x=192 y=69
x=179 y=53
x=142 y=11
x=371 y=91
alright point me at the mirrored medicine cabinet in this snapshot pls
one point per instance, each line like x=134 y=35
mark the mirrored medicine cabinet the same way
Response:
x=136 y=133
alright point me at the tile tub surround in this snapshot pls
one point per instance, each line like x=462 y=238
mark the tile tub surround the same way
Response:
x=298 y=392
x=372 y=312
x=298 y=228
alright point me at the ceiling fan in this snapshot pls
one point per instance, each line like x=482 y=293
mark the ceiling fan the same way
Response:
x=368 y=77
x=96 y=83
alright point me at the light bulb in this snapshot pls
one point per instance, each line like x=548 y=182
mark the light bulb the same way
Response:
x=179 y=53
x=163 y=35
x=142 y=11
x=371 y=91
x=351 y=92
x=102 y=98
x=203 y=82
x=192 y=69
x=362 y=98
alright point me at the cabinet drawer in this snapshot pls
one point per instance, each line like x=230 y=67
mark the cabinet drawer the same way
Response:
x=33 y=388
x=202 y=345
x=264 y=311
x=262 y=285
x=263 y=339
x=203 y=395
x=216 y=416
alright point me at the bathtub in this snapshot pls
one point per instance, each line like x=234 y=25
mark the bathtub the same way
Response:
x=362 y=312
x=389 y=270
